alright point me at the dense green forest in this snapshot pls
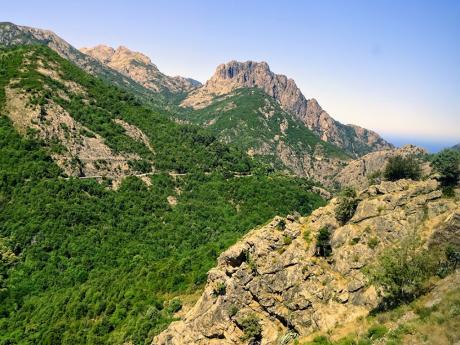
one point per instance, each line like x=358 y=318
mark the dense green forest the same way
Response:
x=85 y=264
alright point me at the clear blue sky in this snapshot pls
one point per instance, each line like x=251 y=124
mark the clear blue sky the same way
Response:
x=391 y=66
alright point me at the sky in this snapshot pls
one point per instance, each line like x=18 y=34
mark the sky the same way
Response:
x=388 y=65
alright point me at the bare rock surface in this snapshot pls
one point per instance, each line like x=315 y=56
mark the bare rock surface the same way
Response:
x=273 y=272
x=358 y=173
x=140 y=68
x=234 y=75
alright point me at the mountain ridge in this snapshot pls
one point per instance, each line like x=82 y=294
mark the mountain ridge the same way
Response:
x=14 y=35
x=229 y=76
x=139 y=67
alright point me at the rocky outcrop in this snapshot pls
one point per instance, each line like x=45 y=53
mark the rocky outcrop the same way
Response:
x=139 y=67
x=74 y=147
x=13 y=35
x=233 y=75
x=274 y=278
x=361 y=172
x=316 y=166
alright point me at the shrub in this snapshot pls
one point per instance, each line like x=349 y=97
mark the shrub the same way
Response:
x=373 y=242
x=375 y=177
x=447 y=164
x=320 y=340
x=287 y=240
x=399 y=167
x=219 y=290
x=376 y=332
x=403 y=271
x=346 y=207
x=323 y=245
x=174 y=305
x=281 y=225
x=251 y=328
x=307 y=236
x=232 y=310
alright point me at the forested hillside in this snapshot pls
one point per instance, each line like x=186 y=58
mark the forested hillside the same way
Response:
x=82 y=263
x=256 y=123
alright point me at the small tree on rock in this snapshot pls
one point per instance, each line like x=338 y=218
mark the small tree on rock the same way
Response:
x=399 y=167
x=447 y=164
x=346 y=207
x=323 y=243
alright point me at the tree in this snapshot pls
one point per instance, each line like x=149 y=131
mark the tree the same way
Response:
x=323 y=243
x=346 y=207
x=447 y=164
x=399 y=167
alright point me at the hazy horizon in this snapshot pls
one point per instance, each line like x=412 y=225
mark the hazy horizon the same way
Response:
x=388 y=66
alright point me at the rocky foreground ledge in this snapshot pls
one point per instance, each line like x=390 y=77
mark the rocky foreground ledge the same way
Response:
x=273 y=272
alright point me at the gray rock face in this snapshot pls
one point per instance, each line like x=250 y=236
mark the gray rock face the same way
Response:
x=273 y=271
x=139 y=67
x=355 y=140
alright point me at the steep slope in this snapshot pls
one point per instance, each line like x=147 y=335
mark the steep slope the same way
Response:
x=228 y=77
x=431 y=319
x=138 y=67
x=456 y=147
x=94 y=129
x=82 y=263
x=13 y=35
x=254 y=121
x=274 y=285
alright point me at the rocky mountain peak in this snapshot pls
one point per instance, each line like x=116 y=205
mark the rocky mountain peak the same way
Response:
x=139 y=67
x=102 y=52
x=118 y=58
x=14 y=35
x=234 y=75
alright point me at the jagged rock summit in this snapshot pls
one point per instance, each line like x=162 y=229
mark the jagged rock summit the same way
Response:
x=273 y=277
x=140 y=68
x=234 y=74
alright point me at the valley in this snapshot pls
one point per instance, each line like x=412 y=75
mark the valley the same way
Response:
x=142 y=208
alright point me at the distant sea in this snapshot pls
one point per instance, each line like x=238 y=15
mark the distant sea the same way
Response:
x=432 y=145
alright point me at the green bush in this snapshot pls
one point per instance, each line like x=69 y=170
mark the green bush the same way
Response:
x=232 y=310
x=403 y=271
x=376 y=332
x=287 y=240
x=174 y=305
x=399 y=167
x=220 y=289
x=346 y=206
x=373 y=242
x=320 y=340
x=281 y=225
x=447 y=164
x=323 y=245
x=251 y=328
